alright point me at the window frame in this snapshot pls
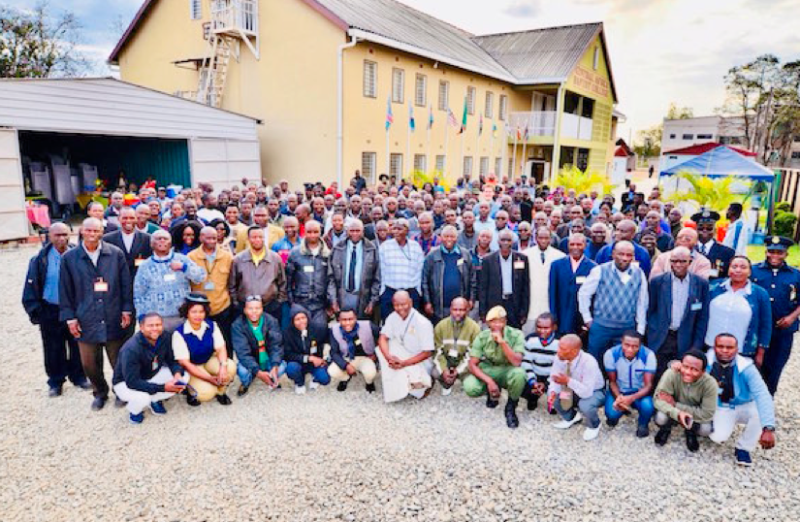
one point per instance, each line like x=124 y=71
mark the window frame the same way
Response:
x=398 y=94
x=373 y=92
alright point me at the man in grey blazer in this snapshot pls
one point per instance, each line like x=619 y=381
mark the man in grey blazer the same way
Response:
x=354 y=273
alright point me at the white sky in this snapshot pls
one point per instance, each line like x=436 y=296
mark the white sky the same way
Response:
x=661 y=50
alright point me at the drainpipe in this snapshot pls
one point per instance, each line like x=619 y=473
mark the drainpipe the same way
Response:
x=340 y=110
x=557 y=136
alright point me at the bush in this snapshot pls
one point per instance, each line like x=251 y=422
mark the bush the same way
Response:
x=784 y=224
x=783 y=206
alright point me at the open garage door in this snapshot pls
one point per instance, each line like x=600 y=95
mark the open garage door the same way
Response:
x=13 y=220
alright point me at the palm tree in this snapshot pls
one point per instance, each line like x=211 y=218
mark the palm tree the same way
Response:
x=712 y=193
x=582 y=182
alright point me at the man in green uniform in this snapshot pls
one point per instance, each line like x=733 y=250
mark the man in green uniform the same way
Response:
x=494 y=363
x=453 y=338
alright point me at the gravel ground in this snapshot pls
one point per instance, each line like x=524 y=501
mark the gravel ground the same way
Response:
x=347 y=456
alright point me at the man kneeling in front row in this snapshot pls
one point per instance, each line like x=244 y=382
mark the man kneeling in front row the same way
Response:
x=146 y=372
x=353 y=350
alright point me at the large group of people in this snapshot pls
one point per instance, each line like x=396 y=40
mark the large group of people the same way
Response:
x=584 y=303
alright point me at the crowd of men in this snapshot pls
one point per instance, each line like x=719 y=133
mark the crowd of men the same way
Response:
x=582 y=301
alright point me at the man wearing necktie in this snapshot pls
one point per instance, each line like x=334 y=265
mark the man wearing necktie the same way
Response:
x=354 y=277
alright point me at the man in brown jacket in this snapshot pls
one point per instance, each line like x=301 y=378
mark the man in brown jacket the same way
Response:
x=258 y=271
x=218 y=262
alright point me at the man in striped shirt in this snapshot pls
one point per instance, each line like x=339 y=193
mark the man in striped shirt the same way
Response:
x=540 y=350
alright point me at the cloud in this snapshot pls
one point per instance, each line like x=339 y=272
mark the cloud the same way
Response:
x=523 y=9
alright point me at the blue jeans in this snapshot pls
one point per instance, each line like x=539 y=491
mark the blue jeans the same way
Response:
x=601 y=338
x=644 y=406
x=246 y=378
x=298 y=371
x=588 y=408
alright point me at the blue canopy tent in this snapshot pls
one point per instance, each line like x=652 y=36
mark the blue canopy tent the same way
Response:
x=720 y=162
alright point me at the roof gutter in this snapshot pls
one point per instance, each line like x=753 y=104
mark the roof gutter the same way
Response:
x=340 y=108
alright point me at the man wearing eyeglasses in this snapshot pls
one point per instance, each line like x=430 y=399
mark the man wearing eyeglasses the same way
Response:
x=718 y=254
x=677 y=315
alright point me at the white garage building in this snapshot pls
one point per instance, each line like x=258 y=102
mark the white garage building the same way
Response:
x=51 y=128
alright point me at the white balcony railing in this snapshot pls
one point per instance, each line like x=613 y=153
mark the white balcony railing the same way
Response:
x=230 y=15
x=577 y=127
x=538 y=123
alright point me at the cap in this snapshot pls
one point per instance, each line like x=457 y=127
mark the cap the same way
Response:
x=705 y=216
x=778 y=243
x=498 y=312
x=197 y=297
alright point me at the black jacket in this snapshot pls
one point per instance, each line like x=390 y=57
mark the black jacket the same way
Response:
x=246 y=346
x=490 y=288
x=296 y=348
x=720 y=257
x=140 y=249
x=370 y=276
x=99 y=313
x=433 y=279
x=139 y=361
x=307 y=277
x=32 y=294
x=693 y=325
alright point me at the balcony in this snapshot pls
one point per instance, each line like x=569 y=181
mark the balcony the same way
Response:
x=576 y=127
x=538 y=123
x=235 y=17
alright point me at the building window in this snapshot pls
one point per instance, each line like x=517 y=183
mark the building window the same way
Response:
x=467 y=166
x=398 y=85
x=587 y=109
x=420 y=162
x=368 y=166
x=503 y=107
x=672 y=136
x=444 y=95
x=484 y=166
x=796 y=154
x=596 y=58
x=195 y=9
x=688 y=136
x=440 y=162
x=510 y=168
x=471 y=100
x=797 y=138
x=370 y=79
x=396 y=165
x=421 y=91
x=705 y=136
x=498 y=166
x=489 y=109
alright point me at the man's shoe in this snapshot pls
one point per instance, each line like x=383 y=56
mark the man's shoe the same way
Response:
x=54 y=391
x=83 y=385
x=242 y=390
x=98 y=403
x=371 y=387
x=137 y=418
x=313 y=385
x=446 y=391
x=158 y=408
x=299 y=390
x=662 y=436
x=591 y=433
x=192 y=400
x=567 y=424
x=511 y=414
x=642 y=431
x=224 y=400
x=743 y=458
x=611 y=423
x=342 y=386
x=491 y=403
x=119 y=403
x=691 y=441
x=532 y=403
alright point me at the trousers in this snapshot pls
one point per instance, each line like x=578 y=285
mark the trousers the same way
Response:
x=298 y=371
x=601 y=338
x=667 y=353
x=204 y=391
x=137 y=400
x=662 y=419
x=224 y=320
x=780 y=348
x=363 y=365
x=247 y=378
x=92 y=361
x=726 y=419
x=512 y=378
x=386 y=300
x=588 y=407
x=644 y=406
x=62 y=359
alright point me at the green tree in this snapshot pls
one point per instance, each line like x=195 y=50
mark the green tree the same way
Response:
x=39 y=43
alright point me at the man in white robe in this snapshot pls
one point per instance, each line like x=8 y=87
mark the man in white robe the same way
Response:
x=540 y=257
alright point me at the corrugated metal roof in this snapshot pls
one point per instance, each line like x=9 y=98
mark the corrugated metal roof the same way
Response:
x=397 y=21
x=549 y=53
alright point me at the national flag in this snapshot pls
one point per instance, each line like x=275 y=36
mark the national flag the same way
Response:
x=525 y=134
x=494 y=130
x=389 y=116
x=518 y=134
x=464 y=118
x=451 y=118
x=430 y=117
x=480 y=125
x=411 y=123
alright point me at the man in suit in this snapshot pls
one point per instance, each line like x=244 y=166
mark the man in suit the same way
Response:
x=566 y=277
x=504 y=281
x=677 y=314
x=133 y=243
x=354 y=273
x=719 y=255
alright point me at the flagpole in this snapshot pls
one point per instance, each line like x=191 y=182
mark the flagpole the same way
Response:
x=462 y=153
x=387 y=152
x=478 y=146
x=446 y=134
x=428 y=145
x=524 y=161
x=514 y=157
x=408 y=141
x=503 y=151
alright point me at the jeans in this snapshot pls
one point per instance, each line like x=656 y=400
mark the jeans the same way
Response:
x=298 y=371
x=588 y=408
x=61 y=357
x=644 y=406
x=247 y=378
x=601 y=338
x=386 y=301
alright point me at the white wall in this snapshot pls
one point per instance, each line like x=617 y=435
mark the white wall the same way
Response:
x=13 y=219
x=224 y=162
x=706 y=125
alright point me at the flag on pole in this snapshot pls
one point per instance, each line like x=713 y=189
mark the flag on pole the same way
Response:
x=525 y=134
x=451 y=118
x=480 y=125
x=430 y=117
x=519 y=134
x=494 y=130
x=464 y=118
x=411 y=123
x=389 y=116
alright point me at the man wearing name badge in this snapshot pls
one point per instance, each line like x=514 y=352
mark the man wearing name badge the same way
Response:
x=453 y=337
x=353 y=350
x=495 y=363
x=94 y=292
x=782 y=283
x=134 y=244
x=162 y=282
x=354 y=274
x=567 y=275
x=307 y=275
x=613 y=299
x=258 y=271
x=504 y=281
x=699 y=264
x=217 y=262
x=405 y=349
x=540 y=258
x=718 y=255
x=446 y=275
x=738 y=231
x=626 y=229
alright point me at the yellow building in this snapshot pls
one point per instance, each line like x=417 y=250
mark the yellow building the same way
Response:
x=324 y=74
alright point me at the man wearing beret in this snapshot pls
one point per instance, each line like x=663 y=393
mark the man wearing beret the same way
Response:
x=718 y=254
x=782 y=283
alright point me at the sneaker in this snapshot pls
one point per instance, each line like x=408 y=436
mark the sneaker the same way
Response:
x=54 y=391
x=611 y=423
x=371 y=387
x=313 y=385
x=136 y=418
x=691 y=441
x=491 y=403
x=224 y=400
x=242 y=390
x=158 y=408
x=743 y=458
x=567 y=424
x=342 y=386
x=299 y=390
x=83 y=385
x=192 y=401
x=591 y=433
x=99 y=403
x=642 y=432
x=662 y=436
x=446 y=391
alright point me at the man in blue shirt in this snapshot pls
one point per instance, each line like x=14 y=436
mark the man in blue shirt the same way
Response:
x=630 y=368
x=625 y=232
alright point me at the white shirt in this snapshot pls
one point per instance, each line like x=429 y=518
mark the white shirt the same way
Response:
x=739 y=244
x=210 y=214
x=179 y=348
x=729 y=313
x=94 y=256
x=414 y=332
x=589 y=287
x=585 y=376
x=127 y=240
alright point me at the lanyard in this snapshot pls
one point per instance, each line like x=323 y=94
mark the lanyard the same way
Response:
x=408 y=324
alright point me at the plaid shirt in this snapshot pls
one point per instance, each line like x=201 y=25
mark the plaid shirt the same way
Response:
x=427 y=244
x=401 y=268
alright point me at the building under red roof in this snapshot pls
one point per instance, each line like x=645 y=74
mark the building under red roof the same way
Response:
x=702 y=148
